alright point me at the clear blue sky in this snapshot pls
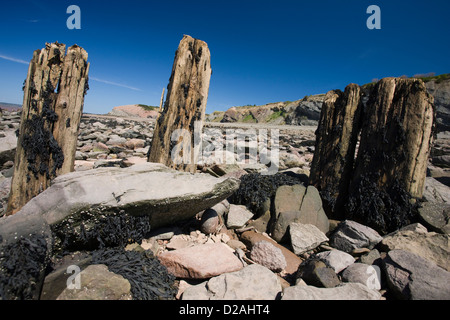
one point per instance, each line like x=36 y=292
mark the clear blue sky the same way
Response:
x=261 y=51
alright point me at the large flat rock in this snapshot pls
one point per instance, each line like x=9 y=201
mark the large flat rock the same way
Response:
x=165 y=195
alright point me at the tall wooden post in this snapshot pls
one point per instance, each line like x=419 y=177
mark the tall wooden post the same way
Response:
x=390 y=168
x=52 y=106
x=396 y=135
x=395 y=124
x=336 y=138
x=185 y=106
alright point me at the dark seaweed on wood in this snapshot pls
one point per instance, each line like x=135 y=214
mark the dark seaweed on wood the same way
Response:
x=383 y=209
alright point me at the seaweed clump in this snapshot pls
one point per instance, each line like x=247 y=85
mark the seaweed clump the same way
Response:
x=148 y=278
x=38 y=141
x=255 y=189
x=22 y=268
x=384 y=209
x=90 y=230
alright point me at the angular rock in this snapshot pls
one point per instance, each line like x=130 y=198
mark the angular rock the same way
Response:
x=442 y=161
x=115 y=140
x=346 y=291
x=432 y=246
x=436 y=216
x=281 y=225
x=298 y=204
x=250 y=238
x=236 y=244
x=135 y=143
x=164 y=233
x=336 y=259
x=238 y=216
x=56 y=281
x=289 y=198
x=253 y=282
x=311 y=211
x=371 y=258
x=97 y=283
x=269 y=256
x=412 y=277
x=441 y=93
x=436 y=191
x=305 y=237
x=100 y=147
x=201 y=261
x=80 y=155
x=262 y=223
x=415 y=227
x=177 y=243
x=369 y=276
x=350 y=235
x=316 y=273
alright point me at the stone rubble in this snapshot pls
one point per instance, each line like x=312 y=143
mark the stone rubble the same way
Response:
x=240 y=254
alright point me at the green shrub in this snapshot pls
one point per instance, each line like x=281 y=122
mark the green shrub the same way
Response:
x=148 y=108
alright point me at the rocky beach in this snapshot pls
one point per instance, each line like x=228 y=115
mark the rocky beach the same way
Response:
x=224 y=232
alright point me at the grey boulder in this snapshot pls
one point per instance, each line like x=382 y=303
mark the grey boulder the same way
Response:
x=350 y=235
x=346 y=291
x=436 y=216
x=305 y=237
x=412 y=277
x=336 y=259
x=367 y=275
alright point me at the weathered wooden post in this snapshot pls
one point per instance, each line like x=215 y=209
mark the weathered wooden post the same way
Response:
x=52 y=107
x=185 y=106
x=390 y=169
x=395 y=125
x=334 y=154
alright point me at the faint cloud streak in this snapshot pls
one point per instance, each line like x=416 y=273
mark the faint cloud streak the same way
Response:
x=114 y=84
x=13 y=59
x=91 y=78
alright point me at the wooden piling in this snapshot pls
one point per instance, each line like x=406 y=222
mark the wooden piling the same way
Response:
x=184 y=108
x=52 y=107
